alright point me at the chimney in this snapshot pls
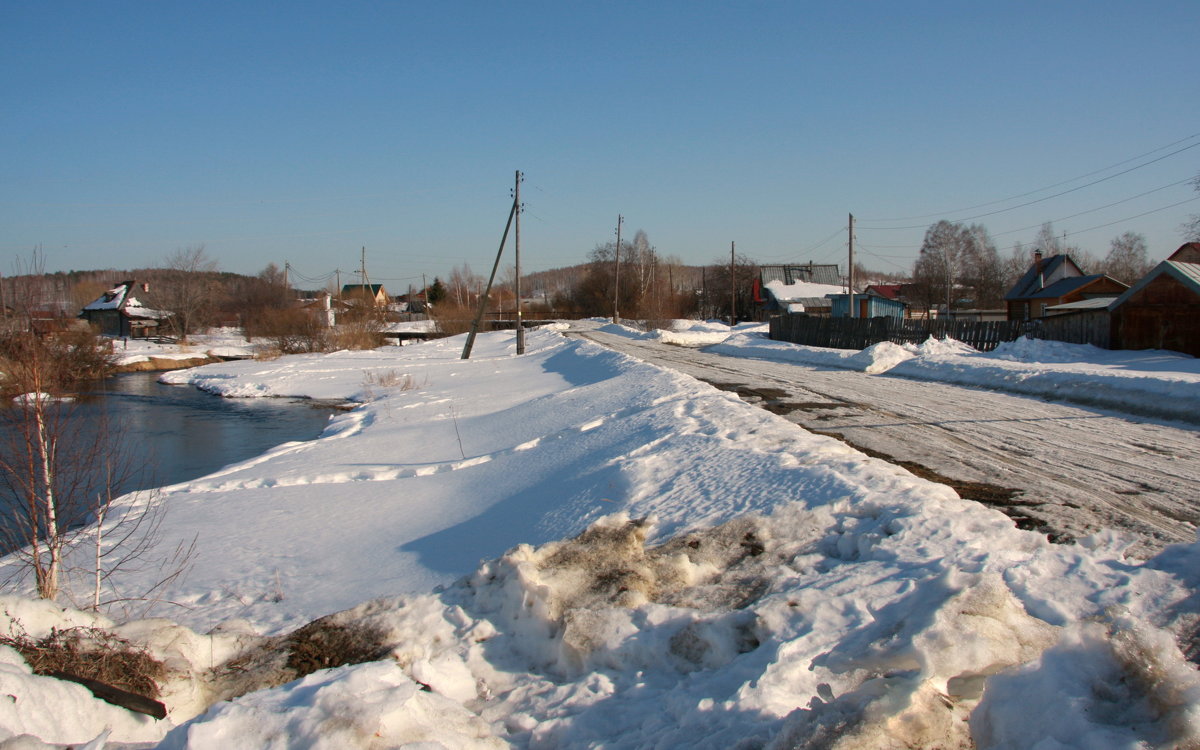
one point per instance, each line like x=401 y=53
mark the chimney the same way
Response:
x=1037 y=262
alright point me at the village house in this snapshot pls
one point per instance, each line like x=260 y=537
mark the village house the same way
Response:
x=375 y=293
x=1054 y=281
x=797 y=288
x=118 y=313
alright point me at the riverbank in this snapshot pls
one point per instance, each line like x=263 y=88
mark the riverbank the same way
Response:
x=145 y=355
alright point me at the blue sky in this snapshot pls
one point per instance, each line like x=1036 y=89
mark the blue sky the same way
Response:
x=303 y=132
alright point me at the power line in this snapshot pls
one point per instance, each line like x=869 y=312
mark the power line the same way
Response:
x=1055 y=185
x=1049 y=197
x=1138 y=216
x=1101 y=208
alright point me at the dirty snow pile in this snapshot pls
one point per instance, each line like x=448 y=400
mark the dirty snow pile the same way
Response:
x=572 y=548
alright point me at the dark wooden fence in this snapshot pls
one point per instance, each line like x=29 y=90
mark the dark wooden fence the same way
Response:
x=859 y=333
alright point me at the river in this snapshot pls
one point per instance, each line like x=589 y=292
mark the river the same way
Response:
x=171 y=433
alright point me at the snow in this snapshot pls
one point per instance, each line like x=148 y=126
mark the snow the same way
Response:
x=224 y=343
x=1152 y=382
x=572 y=548
x=801 y=290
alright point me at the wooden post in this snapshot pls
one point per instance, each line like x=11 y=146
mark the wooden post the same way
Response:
x=466 y=354
x=517 y=252
x=850 y=286
x=732 y=288
x=617 y=272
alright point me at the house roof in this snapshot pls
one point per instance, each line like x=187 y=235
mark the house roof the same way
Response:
x=811 y=273
x=120 y=298
x=352 y=288
x=887 y=291
x=1095 y=303
x=1187 y=274
x=1028 y=287
x=1188 y=252
x=1063 y=287
x=800 y=291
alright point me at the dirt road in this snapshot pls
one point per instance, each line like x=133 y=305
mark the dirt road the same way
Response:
x=1065 y=470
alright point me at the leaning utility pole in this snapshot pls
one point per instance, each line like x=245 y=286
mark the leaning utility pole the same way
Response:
x=850 y=286
x=483 y=298
x=517 y=252
x=617 y=271
x=732 y=288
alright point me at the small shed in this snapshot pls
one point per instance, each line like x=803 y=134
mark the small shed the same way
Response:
x=1162 y=310
x=866 y=306
x=118 y=313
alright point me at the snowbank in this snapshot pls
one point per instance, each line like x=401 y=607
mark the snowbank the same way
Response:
x=1153 y=383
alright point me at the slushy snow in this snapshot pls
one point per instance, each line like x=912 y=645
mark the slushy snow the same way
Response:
x=572 y=548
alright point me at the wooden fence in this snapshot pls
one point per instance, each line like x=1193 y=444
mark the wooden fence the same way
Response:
x=859 y=333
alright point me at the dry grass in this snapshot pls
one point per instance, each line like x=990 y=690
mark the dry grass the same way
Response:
x=389 y=379
x=92 y=654
x=323 y=645
x=453 y=319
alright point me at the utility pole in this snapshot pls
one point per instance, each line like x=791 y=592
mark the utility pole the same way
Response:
x=365 y=281
x=617 y=271
x=338 y=271
x=483 y=298
x=850 y=287
x=517 y=253
x=732 y=288
x=286 y=267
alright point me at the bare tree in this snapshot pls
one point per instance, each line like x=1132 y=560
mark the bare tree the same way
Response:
x=939 y=269
x=1191 y=228
x=58 y=471
x=1126 y=260
x=720 y=288
x=186 y=289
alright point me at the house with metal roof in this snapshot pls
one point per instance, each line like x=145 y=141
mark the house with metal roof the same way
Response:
x=1162 y=310
x=807 y=273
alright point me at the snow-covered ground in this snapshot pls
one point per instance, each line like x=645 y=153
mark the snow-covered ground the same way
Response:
x=741 y=583
x=226 y=343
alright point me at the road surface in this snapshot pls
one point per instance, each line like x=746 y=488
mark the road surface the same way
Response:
x=1067 y=471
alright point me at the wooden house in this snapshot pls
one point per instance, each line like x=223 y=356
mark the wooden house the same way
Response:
x=1054 y=281
x=118 y=313
x=374 y=293
x=1162 y=310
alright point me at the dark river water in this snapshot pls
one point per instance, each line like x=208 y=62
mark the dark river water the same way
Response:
x=173 y=433
x=187 y=433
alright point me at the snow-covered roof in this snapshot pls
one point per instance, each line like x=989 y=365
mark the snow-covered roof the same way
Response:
x=812 y=273
x=802 y=291
x=120 y=297
x=113 y=299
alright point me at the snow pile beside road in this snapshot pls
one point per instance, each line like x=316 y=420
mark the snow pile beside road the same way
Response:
x=1154 y=383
